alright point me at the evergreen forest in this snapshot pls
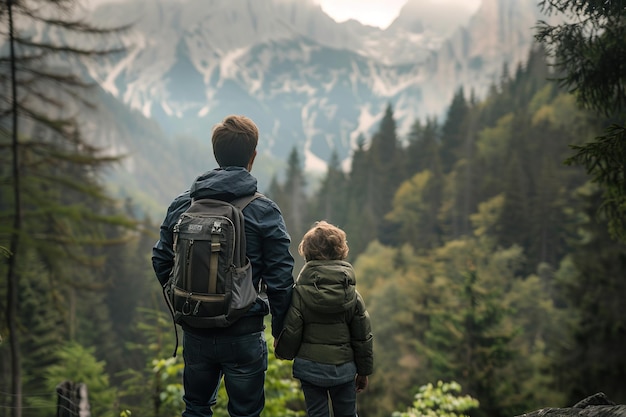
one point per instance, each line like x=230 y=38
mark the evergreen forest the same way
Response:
x=487 y=247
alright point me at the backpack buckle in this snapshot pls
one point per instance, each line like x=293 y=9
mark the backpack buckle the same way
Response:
x=186 y=308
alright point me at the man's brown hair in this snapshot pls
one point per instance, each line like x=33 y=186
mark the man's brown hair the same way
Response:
x=234 y=141
x=324 y=242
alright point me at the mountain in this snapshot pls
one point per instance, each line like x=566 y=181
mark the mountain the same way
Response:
x=500 y=32
x=307 y=81
x=438 y=19
x=154 y=168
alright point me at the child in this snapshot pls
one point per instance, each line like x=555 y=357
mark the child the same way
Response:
x=327 y=328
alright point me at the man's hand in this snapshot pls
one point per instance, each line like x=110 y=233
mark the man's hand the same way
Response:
x=361 y=383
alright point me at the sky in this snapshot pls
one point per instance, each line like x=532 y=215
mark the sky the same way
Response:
x=379 y=13
x=369 y=12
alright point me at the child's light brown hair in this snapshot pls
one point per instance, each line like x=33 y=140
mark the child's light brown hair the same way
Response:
x=324 y=242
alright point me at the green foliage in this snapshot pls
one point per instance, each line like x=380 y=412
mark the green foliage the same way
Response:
x=460 y=311
x=167 y=374
x=283 y=396
x=469 y=337
x=332 y=195
x=79 y=365
x=385 y=163
x=294 y=200
x=454 y=130
x=469 y=258
x=538 y=340
x=130 y=290
x=422 y=150
x=441 y=400
x=491 y=271
x=590 y=53
x=485 y=221
x=361 y=222
x=414 y=211
x=592 y=283
x=54 y=209
x=156 y=387
x=604 y=159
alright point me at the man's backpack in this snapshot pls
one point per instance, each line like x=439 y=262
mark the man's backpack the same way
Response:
x=211 y=282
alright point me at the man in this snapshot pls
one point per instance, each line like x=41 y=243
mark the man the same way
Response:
x=239 y=352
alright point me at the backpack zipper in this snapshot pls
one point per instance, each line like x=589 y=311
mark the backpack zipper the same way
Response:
x=187 y=285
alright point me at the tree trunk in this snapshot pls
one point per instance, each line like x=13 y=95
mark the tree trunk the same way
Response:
x=13 y=276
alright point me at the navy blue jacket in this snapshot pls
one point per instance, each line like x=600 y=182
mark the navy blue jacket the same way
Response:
x=266 y=238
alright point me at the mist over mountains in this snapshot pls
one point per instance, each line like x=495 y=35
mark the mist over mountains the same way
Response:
x=309 y=82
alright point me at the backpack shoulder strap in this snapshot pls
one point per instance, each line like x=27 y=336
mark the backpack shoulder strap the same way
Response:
x=242 y=202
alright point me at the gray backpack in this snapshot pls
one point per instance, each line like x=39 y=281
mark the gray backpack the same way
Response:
x=211 y=283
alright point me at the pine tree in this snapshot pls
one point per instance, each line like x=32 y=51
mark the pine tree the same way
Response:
x=469 y=339
x=295 y=206
x=460 y=184
x=457 y=156
x=415 y=208
x=360 y=225
x=78 y=364
x=453 y=130
x=44 y=316
x=155 y=388
x=128 y=285
x=515 y=180
x=422 y=151
x=387 y=168
x=52 y=193
x=551 y=221
x=595 y=290
x=331 y=200
x=275 y=191
x=590 y=55
x=531 y=78
x=398 y=300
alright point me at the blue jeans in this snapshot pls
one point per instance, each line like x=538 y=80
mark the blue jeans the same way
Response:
x=241 y=360
x=342 y=399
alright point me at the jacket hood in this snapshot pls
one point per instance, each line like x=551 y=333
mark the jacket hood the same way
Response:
x=224 y=184
x=328 y=286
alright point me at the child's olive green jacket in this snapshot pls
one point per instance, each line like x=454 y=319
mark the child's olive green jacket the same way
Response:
x=327 y=321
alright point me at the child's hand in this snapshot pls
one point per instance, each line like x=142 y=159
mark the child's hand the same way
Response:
x=361 y=383
x=276 y=354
